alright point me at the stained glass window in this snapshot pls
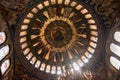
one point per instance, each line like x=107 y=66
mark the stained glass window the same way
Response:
x=2 y=37
x=5 y=65
x=4 y=51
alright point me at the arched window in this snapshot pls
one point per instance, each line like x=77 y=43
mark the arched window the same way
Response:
x=59 y=71
x=5 y=49
x=2 y=37
x=117 y=36
x=113 y=47
x=115 y=62
x=48 y=69
x=53 y=71
x=5 y=66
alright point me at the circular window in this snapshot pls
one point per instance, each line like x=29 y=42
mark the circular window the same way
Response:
x=56 y=33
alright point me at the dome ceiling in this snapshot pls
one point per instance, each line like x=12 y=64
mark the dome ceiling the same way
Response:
x=56 y=33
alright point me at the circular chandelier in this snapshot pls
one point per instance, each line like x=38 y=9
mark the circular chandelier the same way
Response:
x=56 y=33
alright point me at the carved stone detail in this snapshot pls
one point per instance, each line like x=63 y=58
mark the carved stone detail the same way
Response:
x=109 y=9
x=12 y=7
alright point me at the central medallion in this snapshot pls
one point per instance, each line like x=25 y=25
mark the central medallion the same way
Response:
x=58 y=34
